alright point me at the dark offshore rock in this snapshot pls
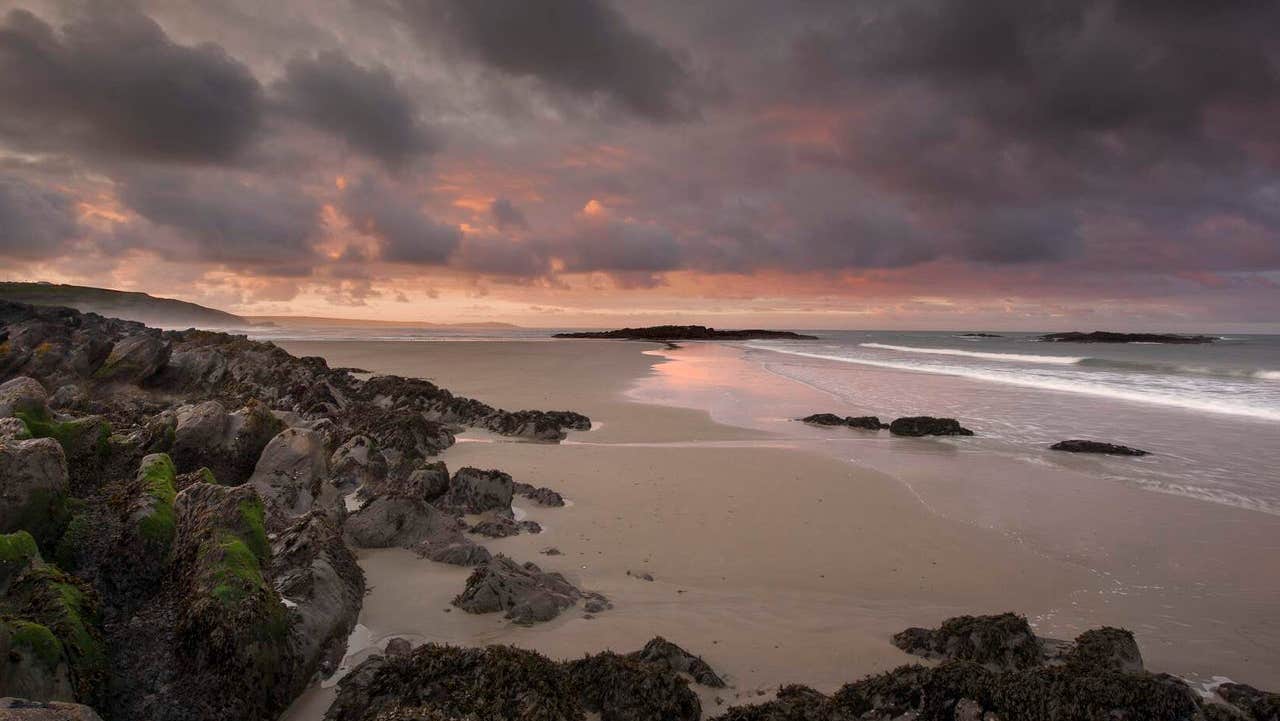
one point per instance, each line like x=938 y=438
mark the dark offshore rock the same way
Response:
x=21 y=709
x=397 y=522
x=664 y=653
x=870 y=423
x=1079 y=446
x=525 y=592
x=473 y=490
x=686 y=332
x=541 y=496
x=1002 y=642
x=434 y=681
x=318 y=579
x=620 y=688
x=1261 y=705
x=928 y=426
x=1108 y=337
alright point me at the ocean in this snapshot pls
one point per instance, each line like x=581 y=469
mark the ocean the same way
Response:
x=1209 y=414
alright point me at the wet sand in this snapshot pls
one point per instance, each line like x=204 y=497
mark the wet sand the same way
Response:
x=779 y=553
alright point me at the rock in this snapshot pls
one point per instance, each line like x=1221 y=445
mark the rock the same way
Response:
x=1000 y=643
x=928 y=426
x=536 y=425
x=1112 y=649
x=642 y=575
x=357 y=463
x=824 y=419
x=1108 y=337
x=292 y=474
x=435 y=682
x=1261 y=705
x=595 y=602
x=1079 y=446
x=318 y=578
x=541 y=496
x=792 y=703
x=228 y=444
x=620 y=688
x=454 y=549
x=668 y=655
x=870 y=423
x=399 y=647
x=67 y=396
x=21 y=709
x=397 y=522
x=473 y=490
x=134 y=359
x=33 y=485
x=552 y=551
x=404 y=437
x=968 y=710
x=13 y=429
x=427 y=483
x=23 y=396
x=526 y=593
x=495 y=525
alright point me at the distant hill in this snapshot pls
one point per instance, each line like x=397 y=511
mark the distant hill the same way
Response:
x=309 y=321
x=158 y=312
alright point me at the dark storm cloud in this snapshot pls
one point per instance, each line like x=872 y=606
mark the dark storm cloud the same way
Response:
x=407 y=235
x=586 y=47
x=363 y=106
x=112 y=82
x=619 y=247
x=35 y=222
x=501 y=256
x=505 y=214
x=243 y=225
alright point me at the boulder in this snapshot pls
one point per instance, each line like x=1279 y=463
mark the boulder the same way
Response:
x=473 y=490
x=319 y=580
x=23 y=396
x=824 y=419
x=13 y=429
x=668 y=655
x=1080 y=446
x=33 y=485
x=1000 y=643
x=540 y=496
x=870 y=423
x=1110 y=649
x=292 y=474
x=205 y=435
x=454 y=549
x=435 y=682
x=356 y=464
x=67 y=396
x=134 y=359
x=397 y=522
x=21 y=709
x=928 y=426
x=624 y=689
x=526 y=593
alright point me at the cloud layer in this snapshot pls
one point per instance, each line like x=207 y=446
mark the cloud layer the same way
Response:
x=562 y=151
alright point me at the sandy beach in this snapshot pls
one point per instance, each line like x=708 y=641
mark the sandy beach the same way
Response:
x=782 y=554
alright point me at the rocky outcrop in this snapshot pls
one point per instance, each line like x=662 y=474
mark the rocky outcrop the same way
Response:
x=928 y=426
x=687 y=332
x=869 y=423
x=1098 y=336
x=205 y=435
x=668 y=655
x=1110 y=449
x=620 y=688
x=23 y=395
x=292 y=475
x=134 y=359
x=1000 y=643
x=33 y=486
x=472 y=490
x=444 y=682
x=319 y=580
x=525 y=592
x=398 y=522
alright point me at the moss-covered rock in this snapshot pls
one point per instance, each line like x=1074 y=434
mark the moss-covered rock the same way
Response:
x=68 y=607
x=32 y=662
x=85 y=441
x=152 y=514
x=18 y=551
x=33 y=495
x=498 y=682
x=1000 y=642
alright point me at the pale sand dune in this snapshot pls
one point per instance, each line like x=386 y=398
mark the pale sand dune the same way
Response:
x=777 y=565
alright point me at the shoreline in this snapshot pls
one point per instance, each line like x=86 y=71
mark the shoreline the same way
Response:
x=796 y=618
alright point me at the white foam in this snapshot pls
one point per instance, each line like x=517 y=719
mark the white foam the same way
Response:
x=1063 y=385
x=1012 y=357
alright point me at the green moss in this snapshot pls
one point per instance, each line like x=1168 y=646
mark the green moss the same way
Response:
x=158 y=474
x=18 y=547
x=64 y=605
x=206 y=475
x=254 y=517
x=239 y=571
x=71 y=435
x=37 y=639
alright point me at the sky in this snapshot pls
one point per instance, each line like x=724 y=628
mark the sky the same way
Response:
x=1009 y=164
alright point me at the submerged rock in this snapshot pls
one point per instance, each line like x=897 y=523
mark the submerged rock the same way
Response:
x=928 y=426
x=1079 y=446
